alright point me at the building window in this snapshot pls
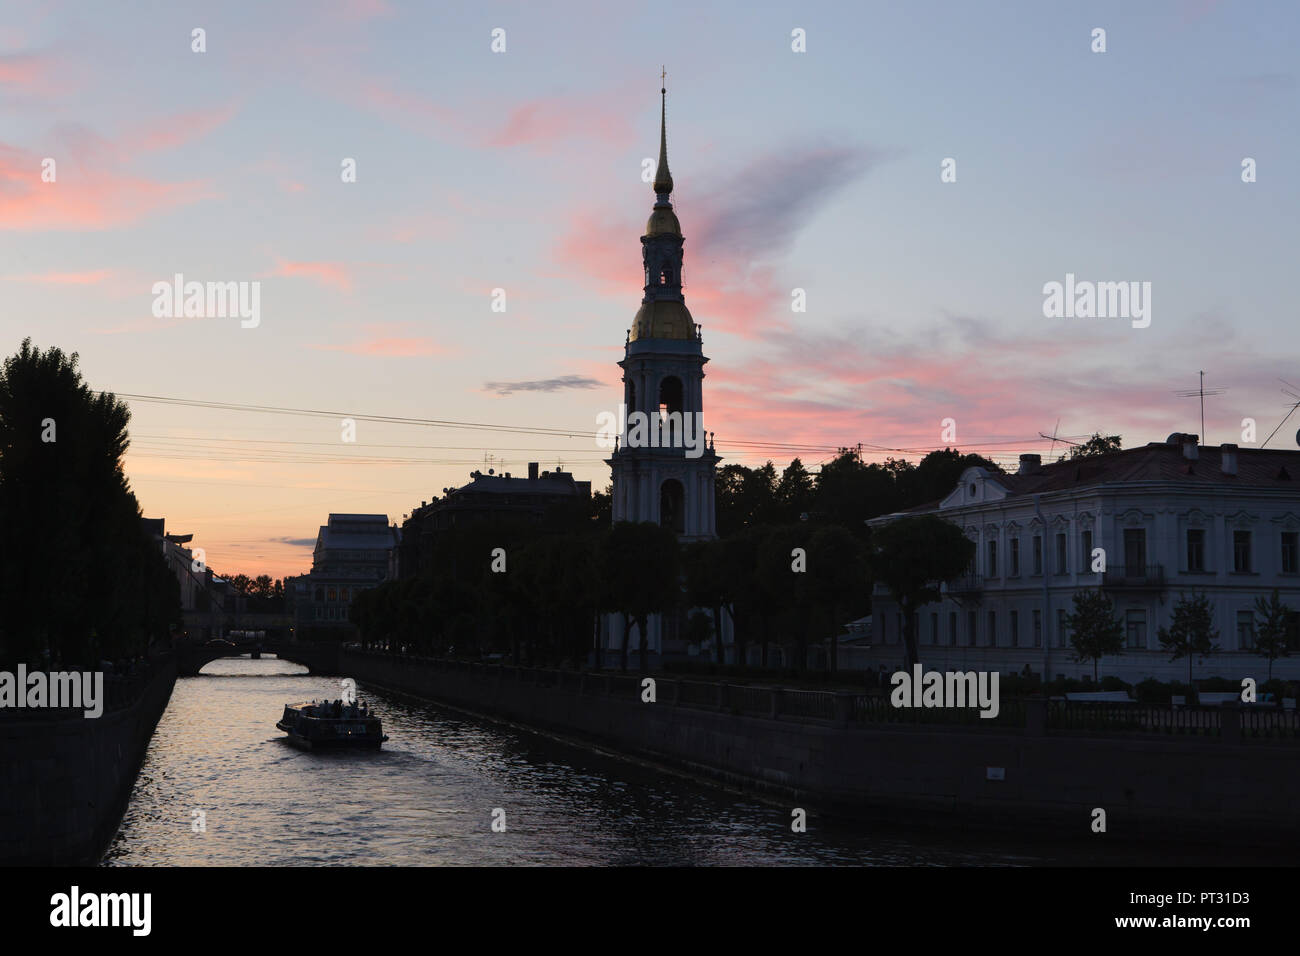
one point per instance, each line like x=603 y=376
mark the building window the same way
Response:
x=1062 y=564
x=952 y=628
x=1135 y=626
x=1038 y=554
x=344 y=595
x=1015 y=628
x=1135 y=551
x=1290 y=551
x=992 y=569
x=900 y=627
x=1038 y=628
x=1014 y=544
x=1246 y=630
x=1061 y=627
x=333 y=594
x=970 y=629
x=993 y=628
x=1241 y=551
x=934 y=628
x=1087 y=549
x=1195 y=549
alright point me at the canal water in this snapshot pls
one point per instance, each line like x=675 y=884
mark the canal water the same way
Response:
x=221 y=787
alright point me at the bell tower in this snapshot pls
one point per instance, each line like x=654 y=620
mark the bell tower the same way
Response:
x=663 y=466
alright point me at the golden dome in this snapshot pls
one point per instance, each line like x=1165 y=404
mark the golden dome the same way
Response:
x=663 y=222
x=663 y=319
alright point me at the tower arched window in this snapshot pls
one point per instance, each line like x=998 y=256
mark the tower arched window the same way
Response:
x=670 y=410
x=631 y=397
x=672 y=506
x=670 y=393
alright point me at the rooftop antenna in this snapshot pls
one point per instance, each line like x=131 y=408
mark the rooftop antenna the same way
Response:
x=1289 y=391
x=1202 y=391
x=1055 y=428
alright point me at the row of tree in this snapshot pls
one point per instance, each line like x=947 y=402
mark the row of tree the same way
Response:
x=1097 y=631
x=81 y=580
x=537 y=594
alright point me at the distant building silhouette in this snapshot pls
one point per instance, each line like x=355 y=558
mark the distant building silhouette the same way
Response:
x=353 y=552
x=486 y=498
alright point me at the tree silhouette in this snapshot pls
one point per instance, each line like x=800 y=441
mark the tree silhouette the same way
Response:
x=911 y=557
x=1095 y=631
x=1191 y=632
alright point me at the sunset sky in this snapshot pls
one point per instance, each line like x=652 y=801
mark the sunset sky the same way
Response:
x=522 y=170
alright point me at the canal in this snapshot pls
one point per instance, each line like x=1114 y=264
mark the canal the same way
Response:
x=221 y=787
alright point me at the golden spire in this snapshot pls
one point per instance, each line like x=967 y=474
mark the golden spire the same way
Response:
x=663 y=179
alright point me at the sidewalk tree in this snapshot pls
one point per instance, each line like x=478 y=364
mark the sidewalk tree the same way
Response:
x=1271 y=629
x=1192 y=632
x=1095 y=630
x=912 y=557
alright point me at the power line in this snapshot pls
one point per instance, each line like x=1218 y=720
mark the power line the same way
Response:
x=785 y=447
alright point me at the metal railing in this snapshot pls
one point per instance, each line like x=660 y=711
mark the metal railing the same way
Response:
x=851 y=708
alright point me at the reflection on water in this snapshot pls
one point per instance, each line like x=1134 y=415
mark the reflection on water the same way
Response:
x=427 y=797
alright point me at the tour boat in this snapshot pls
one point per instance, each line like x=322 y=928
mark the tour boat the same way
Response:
x=331 y=724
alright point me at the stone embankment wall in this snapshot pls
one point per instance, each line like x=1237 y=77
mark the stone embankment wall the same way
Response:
x=807 y=750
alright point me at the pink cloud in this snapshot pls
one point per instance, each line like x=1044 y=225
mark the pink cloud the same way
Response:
x=64 y=278
x=178 y=129
x=387 y=340
x=27 y=72
x=387 y=347
x=85 y=194
x=540 y=124
x=328 y=273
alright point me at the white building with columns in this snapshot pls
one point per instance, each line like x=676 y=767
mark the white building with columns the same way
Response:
x=1171 y=518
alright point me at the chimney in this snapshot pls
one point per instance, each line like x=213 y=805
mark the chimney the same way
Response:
x=1228 y=460
x=1189 y=447
x=1029 y=464
x=532 y=471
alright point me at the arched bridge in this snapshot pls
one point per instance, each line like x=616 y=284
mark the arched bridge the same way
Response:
x=317 y=658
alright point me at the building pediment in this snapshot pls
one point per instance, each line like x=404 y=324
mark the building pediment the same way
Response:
x=1197 y=518
x=1242 y=519
x=1289 y=521
x=1134 y=518
x=977 y=486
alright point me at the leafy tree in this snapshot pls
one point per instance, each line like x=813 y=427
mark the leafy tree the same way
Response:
x=744 y=497
x=80 y=578
x=836 y=577
x=639 y=564
x=912 y=557
x=1192 y=632
x=937 y=475
x=1098 y=444
x=1095 y=630
x=794 y=492
x=708 y=584
x=1271 y=631
x=781 y=597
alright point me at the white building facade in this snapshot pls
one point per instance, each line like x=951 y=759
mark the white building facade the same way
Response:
x=1168 y=519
